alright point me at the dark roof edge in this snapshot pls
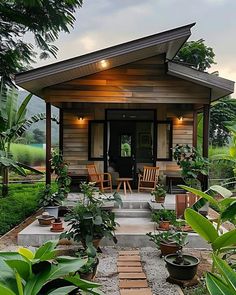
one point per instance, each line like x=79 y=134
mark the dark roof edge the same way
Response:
x=105 y=53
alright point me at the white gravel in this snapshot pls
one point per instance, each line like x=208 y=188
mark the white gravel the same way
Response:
x=153 y=265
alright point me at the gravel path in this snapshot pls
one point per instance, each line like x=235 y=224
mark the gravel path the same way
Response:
x=153 y=265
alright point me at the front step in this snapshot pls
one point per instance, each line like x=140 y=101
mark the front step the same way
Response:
x=132 y=213
x=133 y=205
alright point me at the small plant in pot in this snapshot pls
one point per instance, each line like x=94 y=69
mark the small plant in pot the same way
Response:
x=88 y=271
x=164 y=218
x=45 y=219
x=159 y=193
x=51 y=200
x=57 y=225
x=169 y=241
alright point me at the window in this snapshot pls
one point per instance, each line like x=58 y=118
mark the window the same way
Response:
x=164 y=140
x=125 y=145
x=96 y=140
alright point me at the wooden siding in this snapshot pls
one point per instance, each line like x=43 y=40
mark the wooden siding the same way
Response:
x=141 y=82
x=144 y=81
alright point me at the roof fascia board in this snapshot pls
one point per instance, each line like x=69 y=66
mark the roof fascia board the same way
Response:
x=106 y=53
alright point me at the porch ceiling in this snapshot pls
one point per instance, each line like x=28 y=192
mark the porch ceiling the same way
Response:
x=168 y=42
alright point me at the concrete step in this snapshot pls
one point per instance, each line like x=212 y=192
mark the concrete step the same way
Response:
x=133 y=205
x=132 y=213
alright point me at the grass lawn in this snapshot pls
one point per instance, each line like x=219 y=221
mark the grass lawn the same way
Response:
x=21 y=203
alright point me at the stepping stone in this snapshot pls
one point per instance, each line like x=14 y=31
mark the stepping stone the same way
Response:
x=129 y=258
x=134 y=275
x=130 y=269
x=128 y=263
x=143 y=291
x=135 y=252
x=127 y=284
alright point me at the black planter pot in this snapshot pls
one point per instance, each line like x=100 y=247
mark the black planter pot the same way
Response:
x=181 y=271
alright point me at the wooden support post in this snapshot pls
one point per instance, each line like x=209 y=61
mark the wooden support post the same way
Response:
x=205 y=143
x=48 y=143
x=195 y=128
x=61 y=130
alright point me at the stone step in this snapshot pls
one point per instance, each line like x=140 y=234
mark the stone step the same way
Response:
x=129 y=213
x=133 y=205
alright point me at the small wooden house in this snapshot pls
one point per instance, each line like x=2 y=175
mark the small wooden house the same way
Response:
x=126 y=106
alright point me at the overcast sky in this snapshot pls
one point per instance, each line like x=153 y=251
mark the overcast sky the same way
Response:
x=103 y=23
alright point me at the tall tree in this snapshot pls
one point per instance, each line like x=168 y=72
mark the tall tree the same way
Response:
x=43 y=18
x=196 y=54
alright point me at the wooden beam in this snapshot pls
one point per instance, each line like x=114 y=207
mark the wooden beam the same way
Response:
x=205 y=143
x=195 y=128
x=61 y=130
x=48 y=143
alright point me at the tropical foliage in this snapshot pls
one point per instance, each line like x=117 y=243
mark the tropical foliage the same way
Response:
x=45 y=19
x=25 y=272
x=196 y=54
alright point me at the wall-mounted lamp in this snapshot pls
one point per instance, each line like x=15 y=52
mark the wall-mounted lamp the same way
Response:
x=180 y=118
x=81 y=117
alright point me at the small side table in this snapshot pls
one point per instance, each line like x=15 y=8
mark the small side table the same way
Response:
x=124 y=181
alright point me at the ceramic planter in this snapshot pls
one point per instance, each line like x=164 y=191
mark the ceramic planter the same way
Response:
x=164 y=224
x=57 y=226
x=182 y=271
x=168 y=248
x=52 y=210
x=45 y=220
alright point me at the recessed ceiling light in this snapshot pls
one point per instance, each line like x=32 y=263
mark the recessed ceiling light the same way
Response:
x=104 y=63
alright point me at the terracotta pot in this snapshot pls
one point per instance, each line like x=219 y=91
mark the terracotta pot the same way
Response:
x=57 y=227
x=170 y=248
x=45 y=221
x=164 y=225
x=159 y=199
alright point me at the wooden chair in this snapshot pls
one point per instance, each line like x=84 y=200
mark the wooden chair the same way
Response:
x=149 y=179
x=183 y=201
x=103 y=180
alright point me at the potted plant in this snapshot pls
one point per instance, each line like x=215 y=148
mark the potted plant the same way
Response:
x=169 y=241
x=88 y=271
x=57 y=225
x=164 y=218
x=181 y=266
x=88 y=222
x=159 y=193
x=51 y=200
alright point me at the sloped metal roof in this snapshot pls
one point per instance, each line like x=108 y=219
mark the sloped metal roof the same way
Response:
x=168 y=42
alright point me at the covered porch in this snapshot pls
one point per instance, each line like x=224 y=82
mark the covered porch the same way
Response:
x=126 y=106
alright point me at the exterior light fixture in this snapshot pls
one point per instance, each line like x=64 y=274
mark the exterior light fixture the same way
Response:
x=104 y=63
x=81 y=117
x=180 y=118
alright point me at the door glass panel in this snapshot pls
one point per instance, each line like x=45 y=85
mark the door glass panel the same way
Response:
x=125 y=147
x=144 y=142
x=97 y=140
x=163 y=140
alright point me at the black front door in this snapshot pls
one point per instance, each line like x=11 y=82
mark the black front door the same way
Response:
x=122 y=151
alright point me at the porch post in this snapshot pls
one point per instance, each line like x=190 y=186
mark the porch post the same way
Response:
x=195 y=128
x=61 y=130
x=48 y=143
x=205 y=143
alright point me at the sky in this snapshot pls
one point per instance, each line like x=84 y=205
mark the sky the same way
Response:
x=103 y=23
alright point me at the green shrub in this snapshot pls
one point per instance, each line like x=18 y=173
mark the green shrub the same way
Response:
x=29 y=155
x=21 y=203
x=220 y=169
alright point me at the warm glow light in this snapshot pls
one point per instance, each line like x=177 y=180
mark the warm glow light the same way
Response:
x=81 y=118
x=104 y=63
x=180 y=118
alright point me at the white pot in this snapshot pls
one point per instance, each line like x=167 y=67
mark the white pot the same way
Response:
x=52 y=210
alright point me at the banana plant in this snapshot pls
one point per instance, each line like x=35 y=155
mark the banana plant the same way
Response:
x=223 y=283
x=41 y=272
x=219 y=242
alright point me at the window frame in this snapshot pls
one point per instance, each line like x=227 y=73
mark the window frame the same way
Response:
x=91 y=122
x=170 y=122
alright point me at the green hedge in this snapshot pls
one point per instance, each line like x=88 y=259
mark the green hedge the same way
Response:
x=21 y=203
x=29 y=155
